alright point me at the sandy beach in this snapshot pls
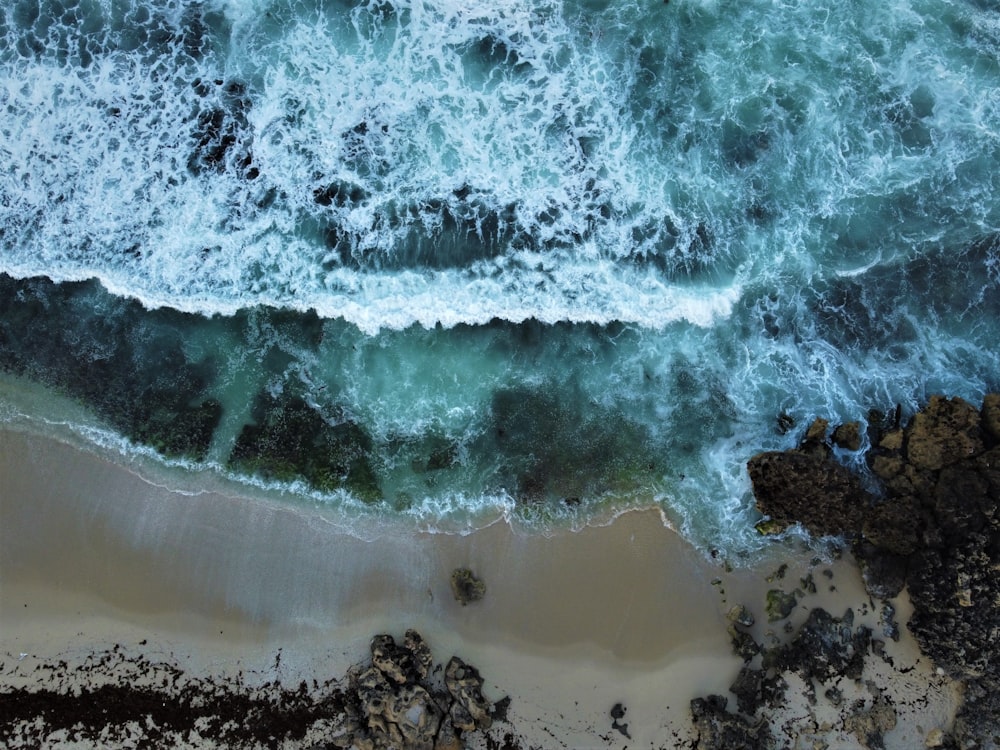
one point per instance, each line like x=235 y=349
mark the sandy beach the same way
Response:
x=93 y=555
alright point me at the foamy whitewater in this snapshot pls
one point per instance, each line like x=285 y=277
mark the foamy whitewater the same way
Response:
x=450 y=259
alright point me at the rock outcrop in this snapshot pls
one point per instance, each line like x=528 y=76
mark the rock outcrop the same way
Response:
x=933 y=527
x=807 y=486
x=395 y=704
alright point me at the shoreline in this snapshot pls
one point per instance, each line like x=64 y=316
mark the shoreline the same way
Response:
x=93 y=556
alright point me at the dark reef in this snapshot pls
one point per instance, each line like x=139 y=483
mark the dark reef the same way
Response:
x=291 y=439
x=128 y=365
x=175 y=382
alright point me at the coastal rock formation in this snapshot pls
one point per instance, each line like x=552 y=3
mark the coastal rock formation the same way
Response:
x=824 y=648
x=469 y=709
x=808 y=487
x=933 y=528
x=289 y=439
x=394 y=704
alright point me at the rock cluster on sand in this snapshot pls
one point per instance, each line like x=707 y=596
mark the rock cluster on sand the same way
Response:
x=394 y=703
x=931 y=524
x=826 y=653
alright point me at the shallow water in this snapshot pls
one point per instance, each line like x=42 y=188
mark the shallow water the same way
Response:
x=448 y=260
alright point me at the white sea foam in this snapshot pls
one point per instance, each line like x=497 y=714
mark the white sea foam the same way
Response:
x=417 y=112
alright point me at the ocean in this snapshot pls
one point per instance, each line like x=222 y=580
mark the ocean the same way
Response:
x=450 y=262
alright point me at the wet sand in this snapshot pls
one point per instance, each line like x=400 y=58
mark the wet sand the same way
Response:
x=93 y=555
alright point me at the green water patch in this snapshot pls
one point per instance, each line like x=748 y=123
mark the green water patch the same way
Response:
x=556 y=447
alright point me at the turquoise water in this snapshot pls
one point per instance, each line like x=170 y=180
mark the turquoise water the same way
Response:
x=452 y=260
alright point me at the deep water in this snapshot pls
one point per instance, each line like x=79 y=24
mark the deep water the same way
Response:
x=452 y=259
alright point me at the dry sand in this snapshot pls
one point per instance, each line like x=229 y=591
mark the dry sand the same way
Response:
x=92 y=554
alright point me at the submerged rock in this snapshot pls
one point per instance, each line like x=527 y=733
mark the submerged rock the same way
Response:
x=291 y=439
x=129 y=365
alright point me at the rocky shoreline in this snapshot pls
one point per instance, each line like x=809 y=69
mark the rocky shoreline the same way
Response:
x=924 y=518
x=914 y=504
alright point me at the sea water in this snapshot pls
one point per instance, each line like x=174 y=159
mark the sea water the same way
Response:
x=447 y=260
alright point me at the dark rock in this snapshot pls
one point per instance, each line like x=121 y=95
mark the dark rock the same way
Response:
x=442 y=458
x=466 y=587
x=976 y=724
x=447 y=738
x=717 y=729
x=420 y=654
x=887 y=618
x=291 y=439
x=990 y=416
x=740 y=615
x=884 y=573
x=808 y=583
x=952 y=580
x=769 y=527
x=747 y=689
x=817 y=492
x=895 y=525
x=390 y=659
x=779 y=605
x=945 y=431
x=815 y=437
x=934 y=530
x=401 y=664
x=779 y=573
x=744 y=645
x=500 y=709
x=827 y=647
x=129 y=365
x=617 y=713
x=847 y=436
x=551 y=447
x=392 y=706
